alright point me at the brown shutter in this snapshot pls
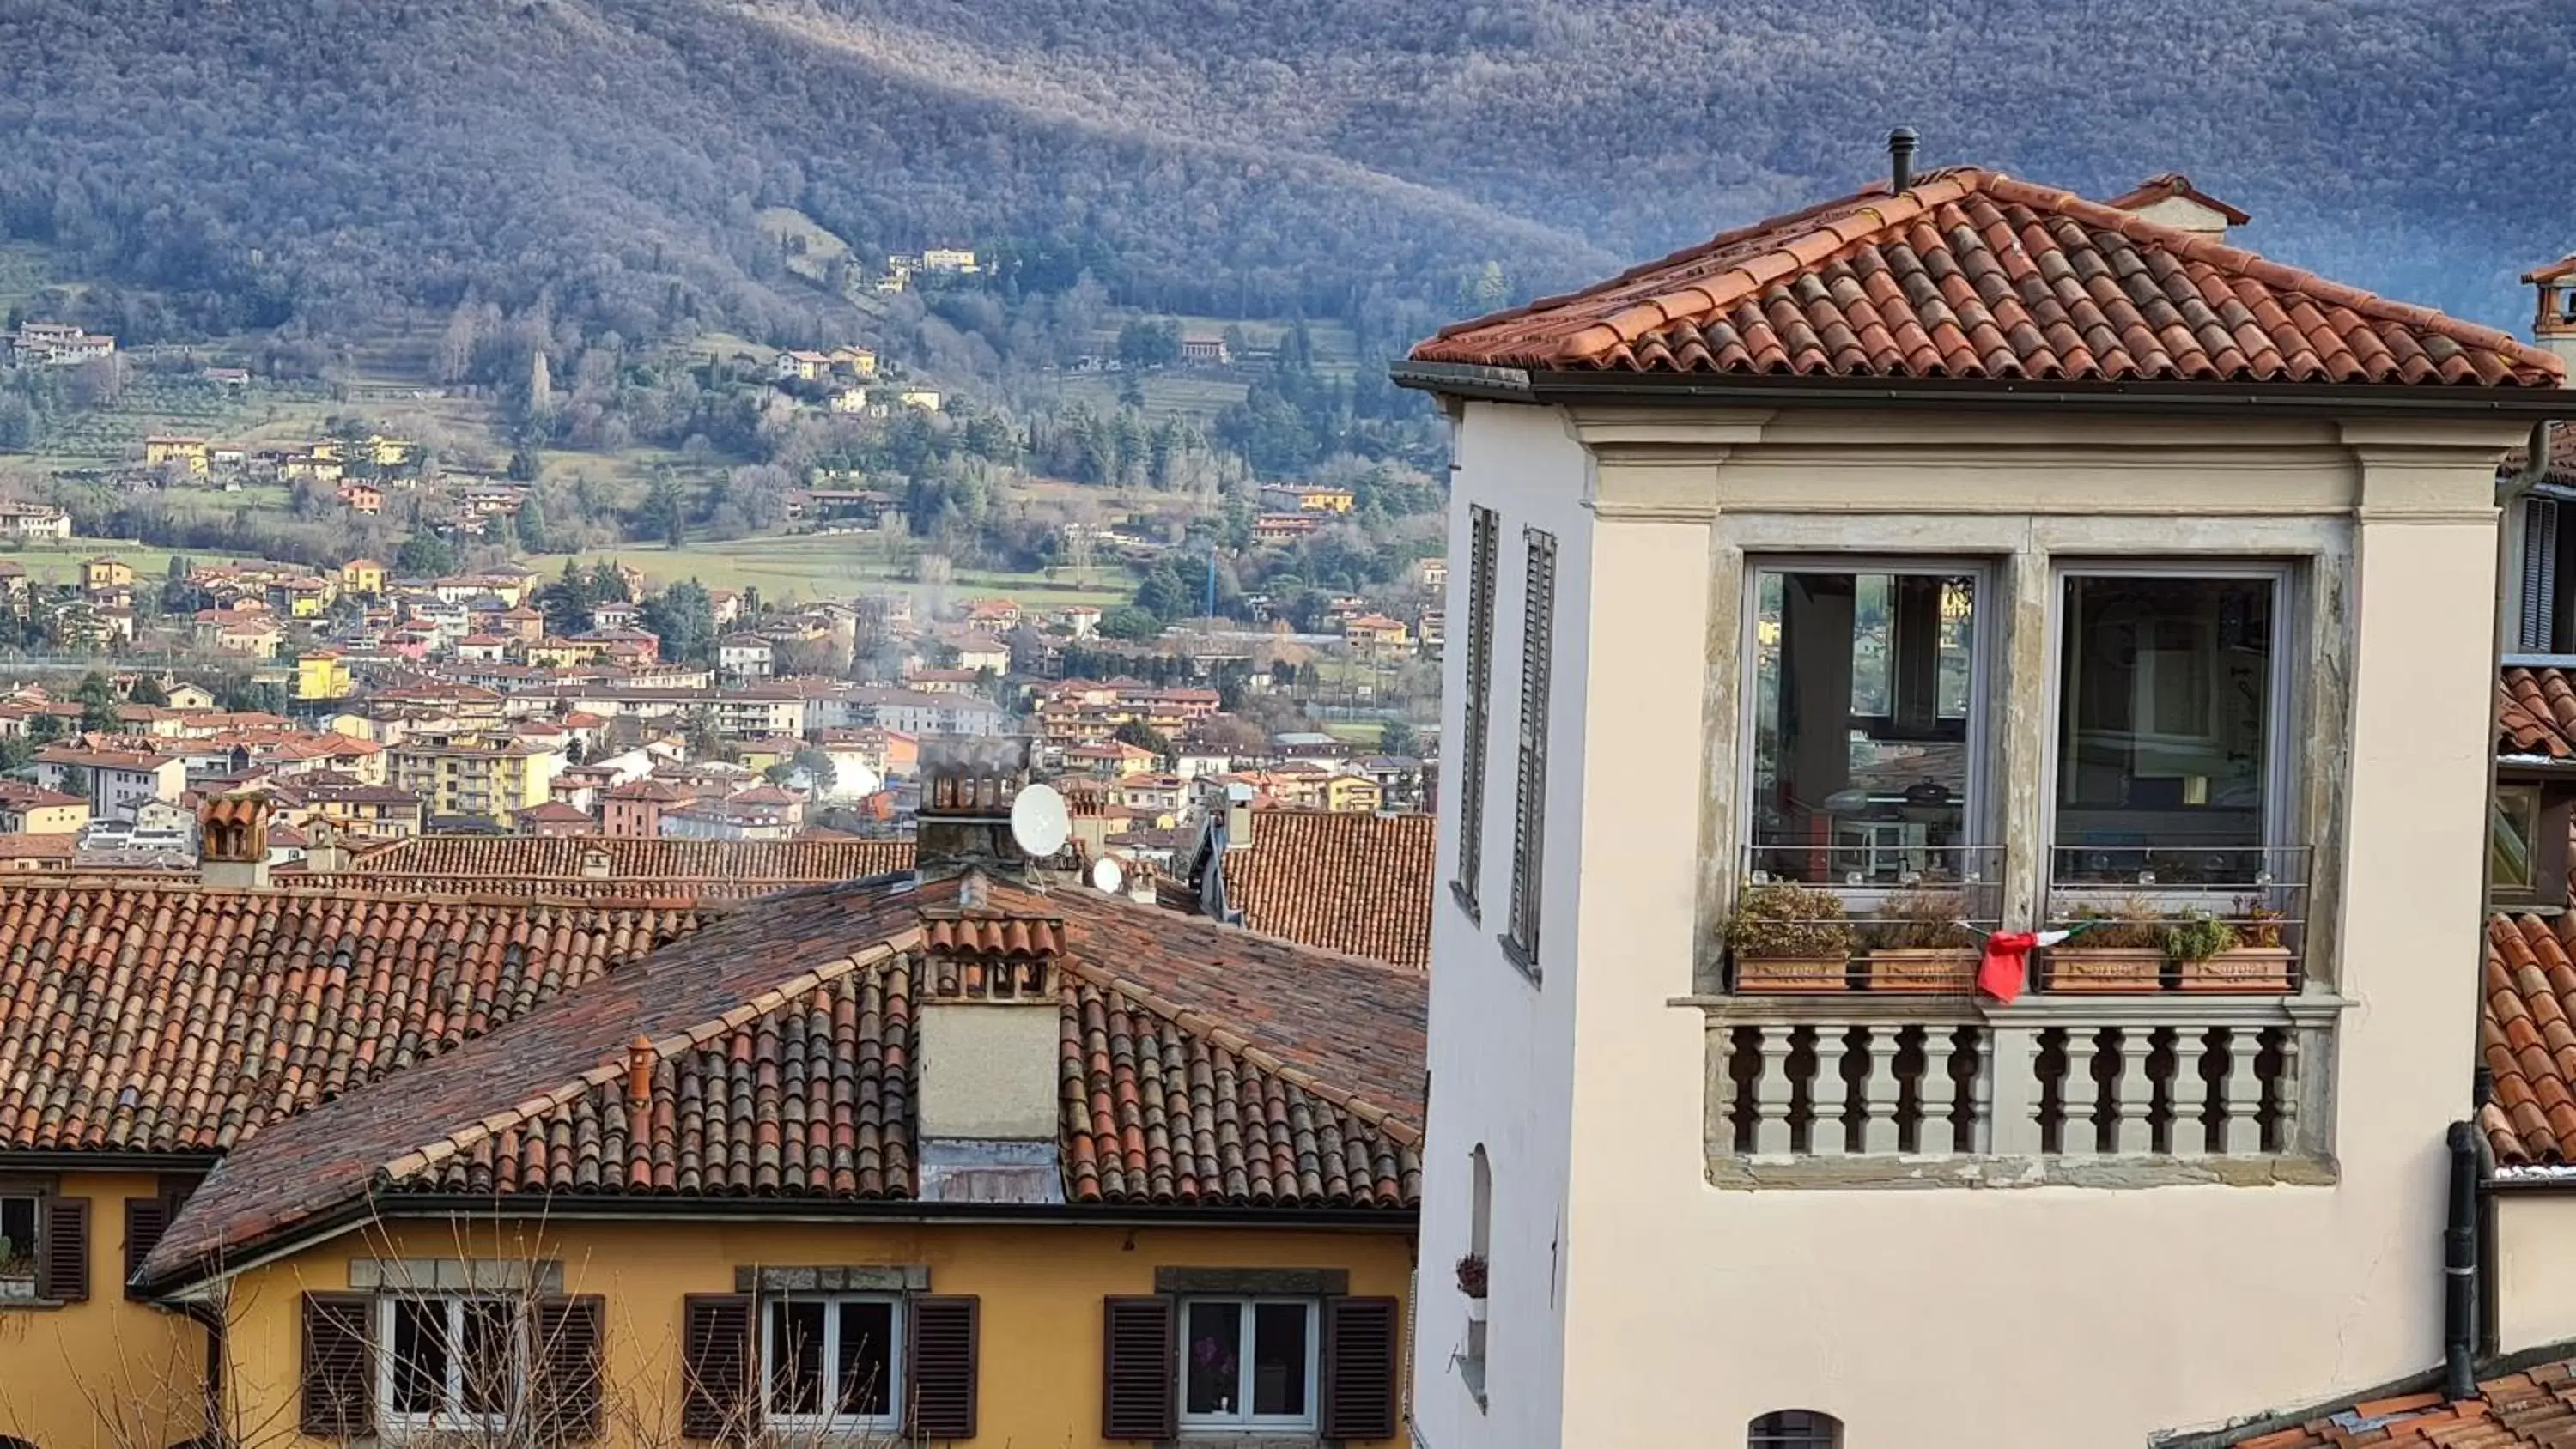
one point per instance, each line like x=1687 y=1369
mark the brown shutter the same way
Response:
x=942 y=1359
x=567 y=1390
x=62 y=1246
x=339 y=1388
x=1359 y=1368
x=146 y=1218
x=1139 y=1370
x=716 y=1398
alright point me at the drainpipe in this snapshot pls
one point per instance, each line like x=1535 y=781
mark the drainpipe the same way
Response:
x=210 y=1316
x=2460 y=1268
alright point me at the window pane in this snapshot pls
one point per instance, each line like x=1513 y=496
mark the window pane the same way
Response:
x=1211 y=1374
x=795 y=1358
x=420 y=1355
x=487 y=1351
x=1795 y=1429
x=2513 y=828
x=1279 y=1359
x=2164 y=727
x=17 y=1237
x=1862 y=692
x=865 y=1362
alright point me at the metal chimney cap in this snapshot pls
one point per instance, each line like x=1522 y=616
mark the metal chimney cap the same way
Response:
x=1900 y=155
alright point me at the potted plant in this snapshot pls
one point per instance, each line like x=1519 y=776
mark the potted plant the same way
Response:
x=1471 y=1281
x=1919 y=942
x=2253 y=957
x=2120 y=947
x=1787 y=937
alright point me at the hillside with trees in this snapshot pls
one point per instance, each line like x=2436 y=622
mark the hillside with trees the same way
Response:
x=227 y=164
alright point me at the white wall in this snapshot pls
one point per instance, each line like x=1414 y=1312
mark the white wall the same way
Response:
x=1501 y=1047
x=2041 y=1316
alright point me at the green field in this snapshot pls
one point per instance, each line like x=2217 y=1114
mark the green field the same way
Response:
x=1195 y=396
x=60 y=563
x=814 y=566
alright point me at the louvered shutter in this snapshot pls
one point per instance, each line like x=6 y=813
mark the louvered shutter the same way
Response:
x=1529 y=812
x=2537 y=629
x=338 y=1398
x=1484 y=528
x=941 y=1351
x=716 y=1398
x=146 y=1218
x=1139 y=1373
x=567 y=1391
x=1359 y=1368
x=62 y=1249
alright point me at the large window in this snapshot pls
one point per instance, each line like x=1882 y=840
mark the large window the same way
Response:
x=1249 y=1363
x=833 y=1361
x=451 y=1362
x=2168 y=711
x=1866 y=704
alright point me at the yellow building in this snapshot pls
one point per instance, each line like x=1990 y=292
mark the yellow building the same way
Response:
x=961 y=1206
x=103 y=575
x=477 y=777
x=194 y=454
x=322 y=674
x=363 y=577
x=391 y=452
x=1352 y=795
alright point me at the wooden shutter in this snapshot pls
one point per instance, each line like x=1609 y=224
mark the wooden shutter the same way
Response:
x=1484 y=529
x=940 y=1352
x=339 y=1384
x=567 y=1391
x=1529 y=810
x=716 y=1398
x=1359 y=1368
x=2534 y=632
x=146 y=1218
x=1139 y=1369
x=62 y=1250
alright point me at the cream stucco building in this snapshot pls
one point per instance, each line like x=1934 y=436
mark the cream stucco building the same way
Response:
x=1962 y=551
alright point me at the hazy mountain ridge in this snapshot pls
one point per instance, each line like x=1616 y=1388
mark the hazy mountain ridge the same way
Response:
x=275 y=156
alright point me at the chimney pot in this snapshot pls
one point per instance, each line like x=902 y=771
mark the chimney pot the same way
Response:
x=1900 y=158
x=639 y=1071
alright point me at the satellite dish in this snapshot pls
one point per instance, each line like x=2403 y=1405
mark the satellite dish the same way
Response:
x=1106 y=877
x=1039 y=822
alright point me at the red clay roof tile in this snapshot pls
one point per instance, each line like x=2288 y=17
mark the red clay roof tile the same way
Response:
x=1973 y=274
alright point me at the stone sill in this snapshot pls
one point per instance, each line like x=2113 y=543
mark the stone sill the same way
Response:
x=1737 y=1174
x=2034 y=1012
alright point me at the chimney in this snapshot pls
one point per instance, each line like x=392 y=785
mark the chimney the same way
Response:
x=232 y=842
x=1238 y=815
x=1090 y=821
x=639 y=1071
x=967 y=786
x=2553 y=322
x=989 y=1015
x=325 y=854
x=1900 y=159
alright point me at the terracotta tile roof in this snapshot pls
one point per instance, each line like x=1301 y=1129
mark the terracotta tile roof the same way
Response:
x=1359 y=884
x=551 y=866
x=2536 y=713
x=174 y=1019
x=1973 y=274
x=2534 y=1407
x=1201 y=1065
x=2527 y=1040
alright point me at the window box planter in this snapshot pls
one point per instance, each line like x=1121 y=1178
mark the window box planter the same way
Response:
x=2246 y=969
x=1924 y=970
x=2122 y=969
x=1757 y=974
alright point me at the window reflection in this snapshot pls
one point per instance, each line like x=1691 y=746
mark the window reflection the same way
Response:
x=1863 y=686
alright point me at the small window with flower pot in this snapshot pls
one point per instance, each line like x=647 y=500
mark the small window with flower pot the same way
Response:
x=1472 y=1269
x=2170 y=866
x=2527 y=828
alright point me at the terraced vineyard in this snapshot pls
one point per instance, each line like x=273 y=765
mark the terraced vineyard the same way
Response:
x=175 y=403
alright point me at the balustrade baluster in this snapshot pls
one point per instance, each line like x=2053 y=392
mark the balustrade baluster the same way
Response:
x=2134 y=1131
x=1772 y=1092
x=1881 y=1091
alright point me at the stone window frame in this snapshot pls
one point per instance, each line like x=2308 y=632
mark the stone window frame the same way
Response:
x=2024 y=553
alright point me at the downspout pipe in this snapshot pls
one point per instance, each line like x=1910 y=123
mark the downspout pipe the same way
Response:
x=2460 y=1268
x=210 y=1316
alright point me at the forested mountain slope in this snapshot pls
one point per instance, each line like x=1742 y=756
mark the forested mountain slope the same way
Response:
x=263 y=158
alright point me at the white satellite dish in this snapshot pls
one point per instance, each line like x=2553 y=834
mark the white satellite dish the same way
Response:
x=1040 y=825
x=1106 y=877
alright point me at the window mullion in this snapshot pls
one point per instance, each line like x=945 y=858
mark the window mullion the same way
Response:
x=451 y=1402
